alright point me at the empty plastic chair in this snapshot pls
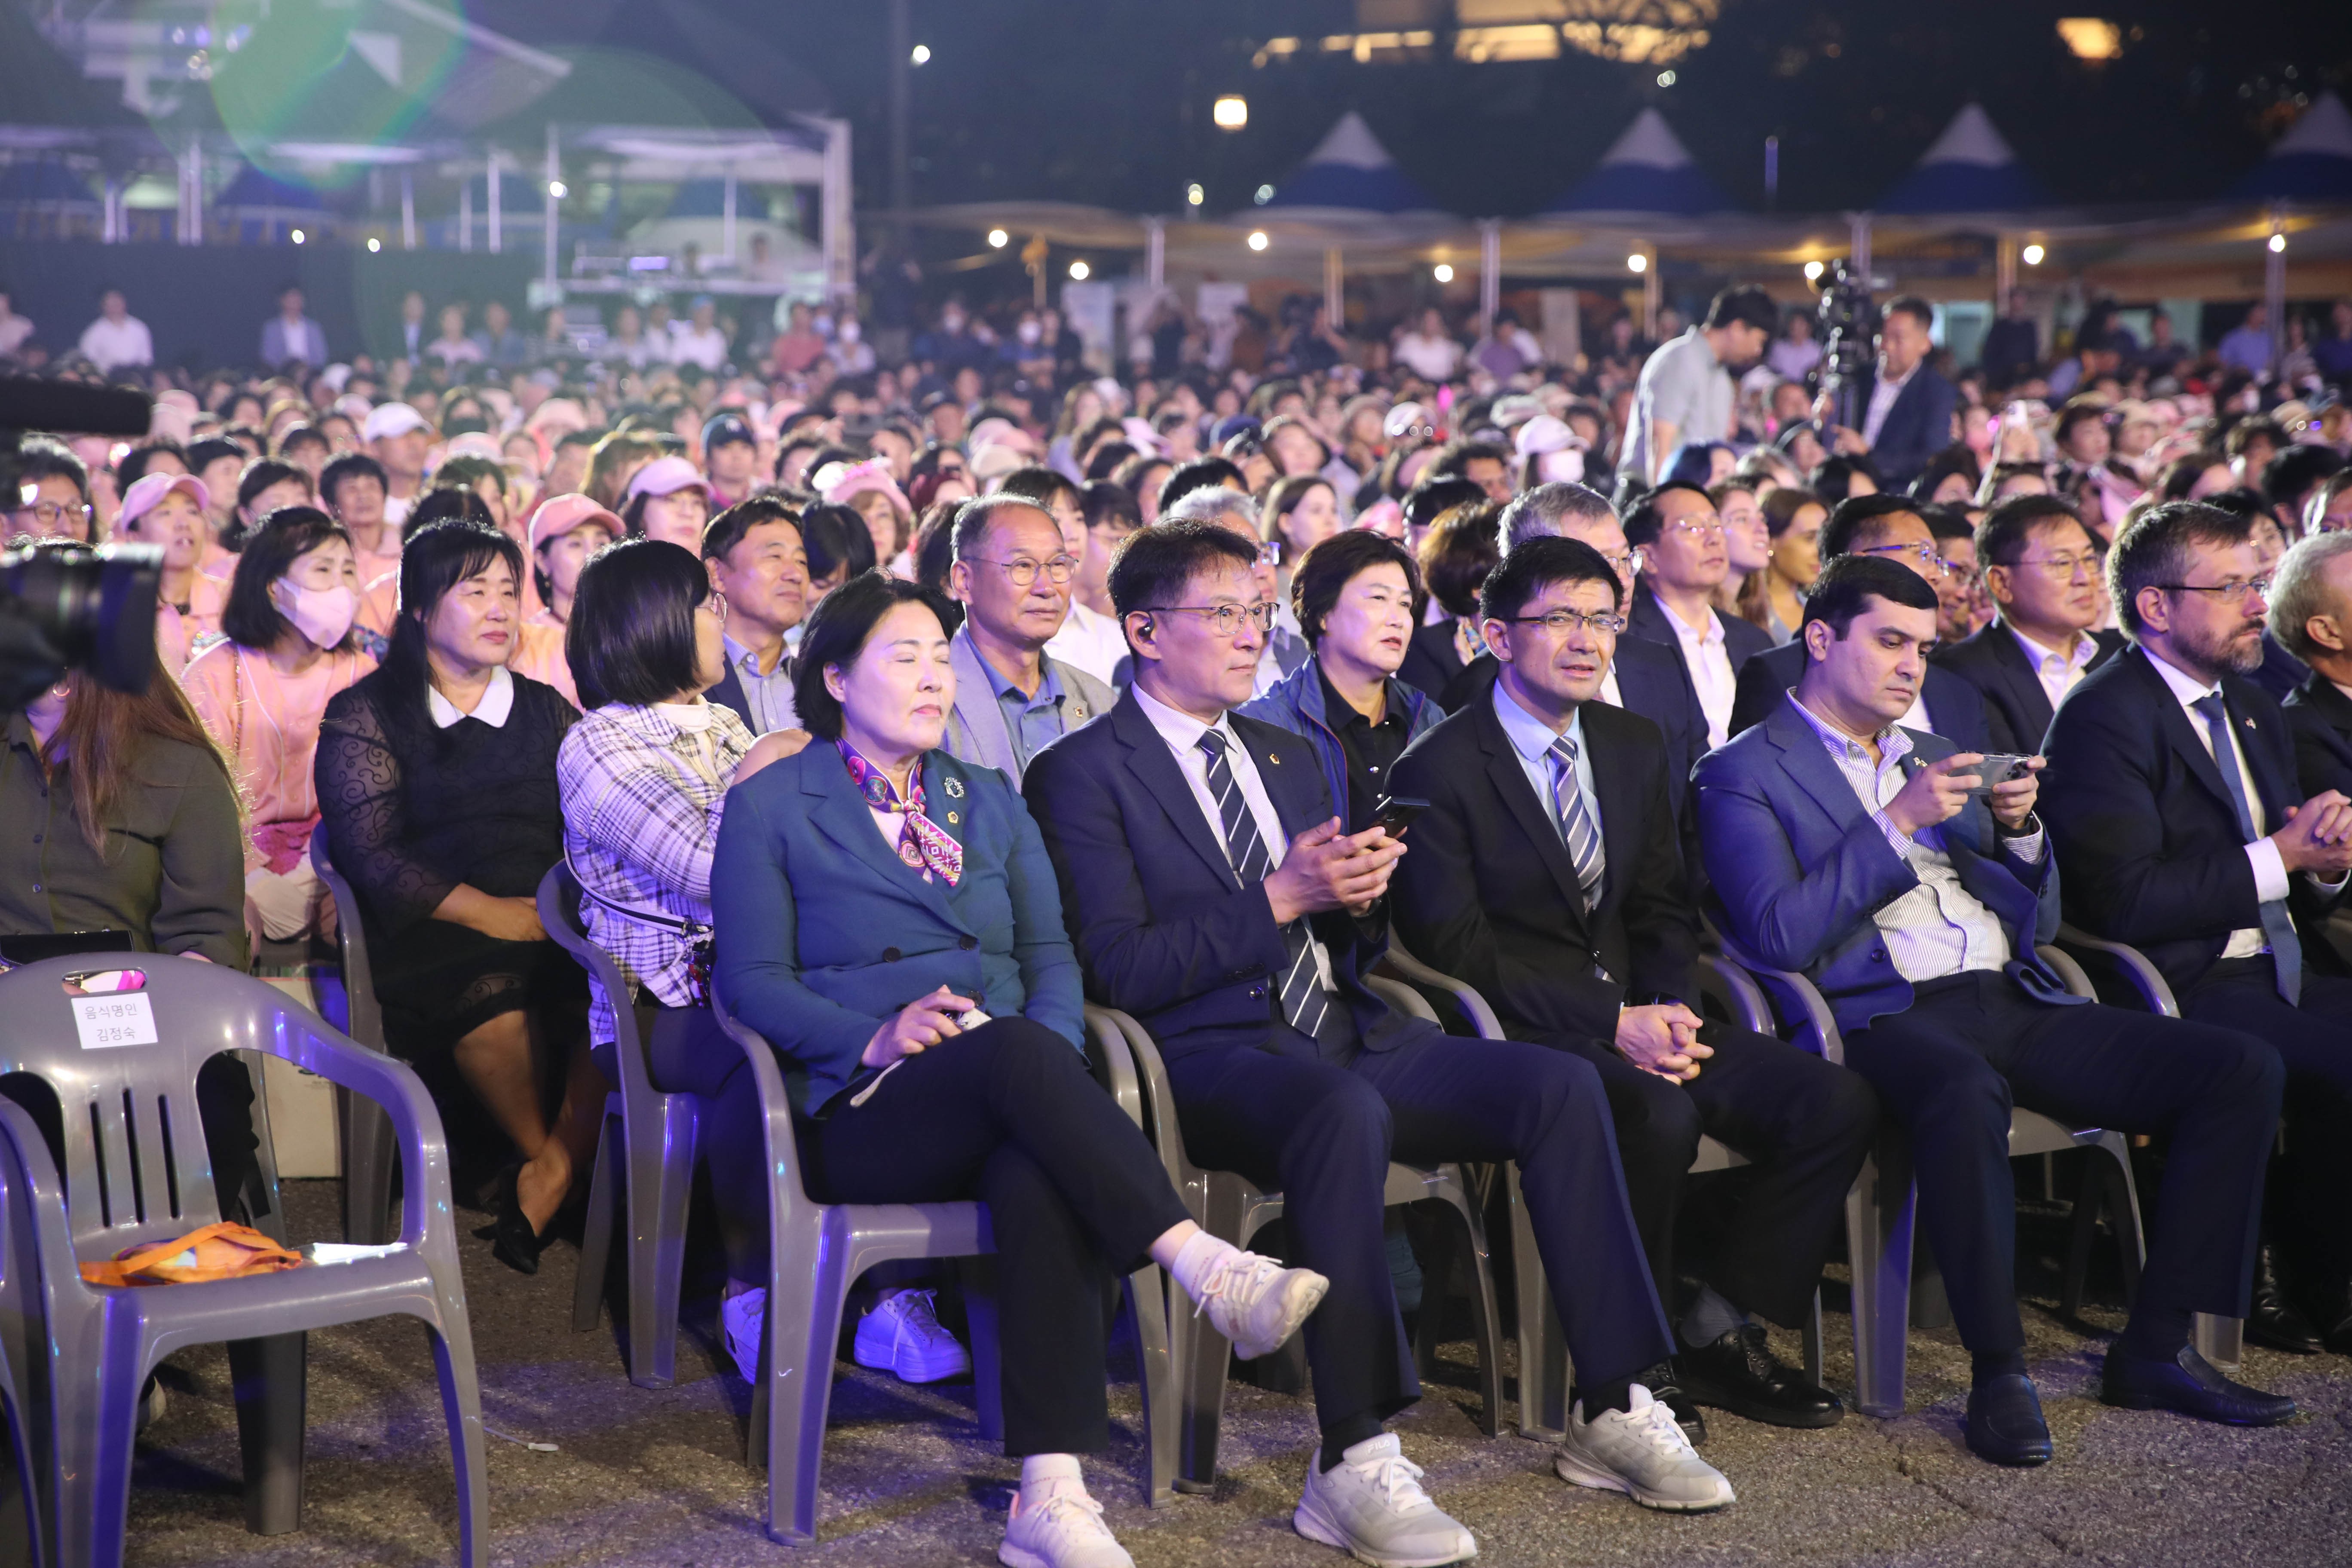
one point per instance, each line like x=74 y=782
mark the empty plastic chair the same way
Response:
x=365 y=1132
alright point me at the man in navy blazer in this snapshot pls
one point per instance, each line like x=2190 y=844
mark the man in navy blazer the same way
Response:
x=1210 y=894
x=2311 y=614
x=1888 y=528
x=1906 y=406
x=1855 y=850
x=2042 y=567
x=1684 y=559
x=2209 y=869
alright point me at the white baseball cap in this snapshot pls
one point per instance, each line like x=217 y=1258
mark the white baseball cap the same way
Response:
x=390 y=419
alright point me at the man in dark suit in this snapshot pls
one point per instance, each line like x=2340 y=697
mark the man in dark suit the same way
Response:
x=2175 y=807
x=1889 y=529
x=2042 y=567
x=1906 y=405
x=1210 y=893
x=1548 y=873
x=1859 y=852
x=2311 y=614
x=1684 y=557
x=760 y=571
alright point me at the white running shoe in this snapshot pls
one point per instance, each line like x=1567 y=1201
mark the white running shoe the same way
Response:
x=1064 y=1529
x=1256 y=1302
x=1639 y=1451
x=743 y=1320
x=902 y=1336
x=1371 y=1504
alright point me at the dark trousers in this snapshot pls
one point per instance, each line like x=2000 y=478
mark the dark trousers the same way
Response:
x=1804 y=1125
x=2315 y=1041
x=1324 y=1133
x=1970 y=1046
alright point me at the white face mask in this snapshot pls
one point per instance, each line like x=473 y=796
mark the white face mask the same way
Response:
x=322 y=615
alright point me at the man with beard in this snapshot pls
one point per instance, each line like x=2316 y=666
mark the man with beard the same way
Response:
x=1686 y=392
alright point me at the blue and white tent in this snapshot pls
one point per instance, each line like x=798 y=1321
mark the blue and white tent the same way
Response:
x=1647 y=173
x=2313 y=162
x=1969 y=169
x=1350 y=180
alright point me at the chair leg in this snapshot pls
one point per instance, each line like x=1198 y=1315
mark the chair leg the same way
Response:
x=368 y=1159
x=1545 y=1372
x=979 y=1279
x=597 y=1230
x=1880 y=1214
x=1484 y=1312
x=795 y=1388
x=659 y=1185
x=2129 y=1233
x=1206 y=1354
x=95 y=1440
x=461 y=1410
x=270 y=1377
x=24 y=1538
x=1147 y=1305
x=1813 y=1341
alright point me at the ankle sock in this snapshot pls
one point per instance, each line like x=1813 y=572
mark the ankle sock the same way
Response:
x=1709 y=1319
x=2156 y=1334
x=1986 y=1365
x=1343 y=1435
x=1600 y=1399
x=1040 y=1473
x=1195 y=1258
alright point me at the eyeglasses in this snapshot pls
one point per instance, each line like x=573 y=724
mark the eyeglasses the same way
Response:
x=1695 y=532
x=1225 y=620
x=1931 y=565
x=2065 y=567
x=51 y=513
x=1629 y=565
x=1024 y=572
x=1560 y=623
x=2232 y=592
x=1270 y=552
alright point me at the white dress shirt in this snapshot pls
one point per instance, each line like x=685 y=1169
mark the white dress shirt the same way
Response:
x=1183 y=732
x=497 y=702
x=110 y=345
x=1709 y=663
x=2058 y=672
x=1089 y=641
x=1883 y=391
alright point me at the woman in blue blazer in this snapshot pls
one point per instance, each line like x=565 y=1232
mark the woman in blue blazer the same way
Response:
x=887 y=919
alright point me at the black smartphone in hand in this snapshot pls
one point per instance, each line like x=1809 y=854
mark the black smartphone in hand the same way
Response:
x=1395 y=813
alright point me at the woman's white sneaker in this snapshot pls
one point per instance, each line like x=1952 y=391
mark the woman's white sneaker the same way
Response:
x=902 y=1336
x=1063 y=1528
x=742 y=1318
x=1639 y=1451
x=1370 y=1503
x=1257 y=1303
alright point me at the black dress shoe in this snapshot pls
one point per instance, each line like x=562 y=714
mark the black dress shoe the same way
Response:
x=2005 y=1423
x=1739 y=1374
x=2272 y=1319
x=2190 y=1385
x=513 y=1241
x=2339 y=1338
x=1665 y=1386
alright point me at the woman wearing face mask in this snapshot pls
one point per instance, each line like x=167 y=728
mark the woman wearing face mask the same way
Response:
x=168 y=509
x=261 y=691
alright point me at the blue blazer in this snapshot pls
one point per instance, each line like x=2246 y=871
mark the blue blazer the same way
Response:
x=1919 y=426
x=1956 y=706
x=1165 y=930
x=822 y=932
x=1798 y=867
x=1296 y=703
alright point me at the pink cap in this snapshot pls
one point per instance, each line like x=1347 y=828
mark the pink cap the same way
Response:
x=559 y=515
x=667 y=476
x=144 y=497
x=839 y=482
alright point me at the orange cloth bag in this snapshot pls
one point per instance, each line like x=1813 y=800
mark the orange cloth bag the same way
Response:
x=222 y=1251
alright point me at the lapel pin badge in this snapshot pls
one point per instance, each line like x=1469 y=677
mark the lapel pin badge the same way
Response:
x=953 y=819
x=955 y=792
x=1275 y=760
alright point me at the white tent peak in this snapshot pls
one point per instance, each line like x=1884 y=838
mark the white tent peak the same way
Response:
x=2324 y=129
x=1351 y=143
x=1649 y=142
x=1971 y=138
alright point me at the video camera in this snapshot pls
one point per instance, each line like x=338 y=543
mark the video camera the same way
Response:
x=1848 y=322
x=76 y=606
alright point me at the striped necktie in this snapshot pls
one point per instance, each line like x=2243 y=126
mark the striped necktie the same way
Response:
x=1303 y=1001
x=1576 y=824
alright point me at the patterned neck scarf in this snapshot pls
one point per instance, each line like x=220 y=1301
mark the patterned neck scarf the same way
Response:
x=923 y=845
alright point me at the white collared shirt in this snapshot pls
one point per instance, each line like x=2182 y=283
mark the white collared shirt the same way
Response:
x=1089 y=641
x=2058 y=672
x=1183 y=732
x=497 y=702
x=1709 y=663
x=1883 y=391
x=2270 y=868
x=768 y=696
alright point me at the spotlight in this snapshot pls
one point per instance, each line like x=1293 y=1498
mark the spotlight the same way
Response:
x=997 y=238
x=1265 y=194
x=2032 y=255
x=1258 y=240
x=1194 y=196
x=2278 y=245
x=1231 y=112
x=1442 y=272
x=1637 y=262
x=1079 y=272
x=1813 y=271
x=558 y=189
x=374 y=245
x=299 y=236
x=922 y=55
x=1665 y=78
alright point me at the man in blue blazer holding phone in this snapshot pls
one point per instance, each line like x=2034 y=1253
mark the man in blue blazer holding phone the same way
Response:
x=1872 y=858
x=1211 y=894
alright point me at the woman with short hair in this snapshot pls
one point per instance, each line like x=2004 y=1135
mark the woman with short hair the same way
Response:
x=168 y=509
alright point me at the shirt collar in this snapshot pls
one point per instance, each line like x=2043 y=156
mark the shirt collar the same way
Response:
x=1180 y=731
x=1339 y=713
x=2184 y=688
x=1049 y=684
x=2086 y=648
x=1529 y=736
x=1893 y=743
x=1712 y=634
x=492 y=709
x=1899 y=381
x=744 y=661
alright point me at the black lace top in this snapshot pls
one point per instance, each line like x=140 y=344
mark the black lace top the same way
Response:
x=412 y=810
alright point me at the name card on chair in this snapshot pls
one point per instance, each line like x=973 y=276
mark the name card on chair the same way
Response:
x=125 y=1019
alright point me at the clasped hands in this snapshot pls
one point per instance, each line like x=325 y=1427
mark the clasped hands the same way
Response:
x=1329 y=869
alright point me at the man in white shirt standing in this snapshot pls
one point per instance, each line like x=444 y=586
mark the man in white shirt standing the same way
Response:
x=118 y=339
x=697 y=340
x=1684 y=392
x=2042 y=568
x=1685 y=557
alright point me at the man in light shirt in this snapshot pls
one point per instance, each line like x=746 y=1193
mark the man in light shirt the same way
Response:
x=2042 y=567
x=1089 y=640
x=758 y=568
x=2183 y=829
x=117 y=338
x=1844 y=846
x=1011 y=698
x=1684 y=392
x=1684 y=559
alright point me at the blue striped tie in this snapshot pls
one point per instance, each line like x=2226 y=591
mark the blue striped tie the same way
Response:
x=1576 y=825
x=1303 y=1001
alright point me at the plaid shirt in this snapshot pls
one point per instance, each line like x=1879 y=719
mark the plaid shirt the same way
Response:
x=641 y=812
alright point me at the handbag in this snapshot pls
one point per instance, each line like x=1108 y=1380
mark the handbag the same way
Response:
x=698 y=938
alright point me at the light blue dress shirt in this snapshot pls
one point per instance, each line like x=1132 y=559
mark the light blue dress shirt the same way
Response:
x=770 y=696
x=1031 y=722
x=1531 y=740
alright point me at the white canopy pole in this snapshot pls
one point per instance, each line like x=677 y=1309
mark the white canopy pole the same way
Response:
x=554 y=174
x=466 y=214
x=497 y=207
x=407 y=209
x=840 y=231
x=727 y=218
x=1490 y=272
x=1155 y=253
x=2274 y=287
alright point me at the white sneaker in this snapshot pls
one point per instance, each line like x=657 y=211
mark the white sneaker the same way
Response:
x=902 y=1336
x=1064 y=1529
x=1256 y=1302
x=1639 y=1451
x=743 y=1320
x=1371 y=1504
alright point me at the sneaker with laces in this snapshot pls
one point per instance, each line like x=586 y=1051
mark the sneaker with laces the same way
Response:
x=1639 y=1451
x=1257 y=1303
x=1371 y=1504
x=741 y=1320
x=1063 y=1528
x=902 y=1336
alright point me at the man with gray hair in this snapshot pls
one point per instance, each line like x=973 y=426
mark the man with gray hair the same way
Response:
x=1235 y=512
x=2311 y=615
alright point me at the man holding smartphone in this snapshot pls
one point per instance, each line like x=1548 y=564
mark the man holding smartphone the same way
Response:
x=1547 y=873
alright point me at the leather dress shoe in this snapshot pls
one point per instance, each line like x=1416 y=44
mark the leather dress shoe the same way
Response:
x=2339 y=1338
x=1665 y=1386
x=2273 y=1319
x=1738 y=1372
x=2005 y=1423
x=2191 y=1386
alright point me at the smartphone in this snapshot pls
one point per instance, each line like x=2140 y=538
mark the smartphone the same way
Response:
x=1998 y=767
x=1395 y=813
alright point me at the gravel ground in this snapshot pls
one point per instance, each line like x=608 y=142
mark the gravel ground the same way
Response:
x=647 y=1477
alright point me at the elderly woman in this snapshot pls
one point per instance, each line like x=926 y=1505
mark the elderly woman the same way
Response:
x=889 y=922
x=168 y=509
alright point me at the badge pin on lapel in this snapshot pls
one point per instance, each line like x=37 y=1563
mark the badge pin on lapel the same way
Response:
x=955 y=792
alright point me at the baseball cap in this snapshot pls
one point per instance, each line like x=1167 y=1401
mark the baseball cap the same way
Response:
x=721 y=430
x=1403 y=420
x=1544 y=434
x=390 y=419
x=1514 y=410
x=144 y=497
x=559 y=515
x=665 y=476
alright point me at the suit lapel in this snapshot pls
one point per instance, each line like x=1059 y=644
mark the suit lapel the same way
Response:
x=1154 y=767
x=1296 y=793
x=1534 y=818
x=2276 y=794
x=841 y=813
x=976 y=705
x=1807 y=760
x=1621 y=810
x=2181 y=731
x=2018 y=673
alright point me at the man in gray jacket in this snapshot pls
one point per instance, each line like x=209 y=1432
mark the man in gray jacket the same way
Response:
x=1014 y=576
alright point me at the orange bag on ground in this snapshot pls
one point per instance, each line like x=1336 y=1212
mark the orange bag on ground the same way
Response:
x=222 y=1251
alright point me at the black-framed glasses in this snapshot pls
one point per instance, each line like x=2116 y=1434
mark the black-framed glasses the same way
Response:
x=1224 y=619
x=1024 y=572
x=1560 y=623
x=1931 y=565
x=2232 y=592
x=55 y=514
x=2064 y=567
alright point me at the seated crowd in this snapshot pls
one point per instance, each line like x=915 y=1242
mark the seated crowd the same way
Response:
x=899 y=734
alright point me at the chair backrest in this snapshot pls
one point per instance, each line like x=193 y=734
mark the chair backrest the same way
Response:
x=362 y=1019
x=559 y=911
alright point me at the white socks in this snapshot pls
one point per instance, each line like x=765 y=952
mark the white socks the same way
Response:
x=1196 y=1258
x=1042 y=1474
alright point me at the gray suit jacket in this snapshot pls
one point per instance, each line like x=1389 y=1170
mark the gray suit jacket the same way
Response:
x=976 y=728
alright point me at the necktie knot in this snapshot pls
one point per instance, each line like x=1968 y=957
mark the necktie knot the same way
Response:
x=1213 y=743
x=1564 y=749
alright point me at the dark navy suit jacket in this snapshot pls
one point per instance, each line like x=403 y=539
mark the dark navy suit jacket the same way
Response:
x=1956 y=706
x=2017 y=710
x=1743 y=640
x=1163 y=928
x=2321 y=718
x=1649 y=680
x=1919 y=426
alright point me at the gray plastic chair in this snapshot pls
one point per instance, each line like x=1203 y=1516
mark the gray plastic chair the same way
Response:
x=27 y=1501
x=136 y=1173
x=648 y=1146
x=1234 y=1209
x=365 y=1132
x=1882 y=1210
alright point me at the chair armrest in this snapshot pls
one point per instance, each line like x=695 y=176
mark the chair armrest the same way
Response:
x=1114 y=1064
x=1736 y=990
x=2078 y=984
x=392 y=1085
x=1465 y=997
x=1401 y=997
x=1158 y=1097
x=1797 y=1003
x=2155 y=992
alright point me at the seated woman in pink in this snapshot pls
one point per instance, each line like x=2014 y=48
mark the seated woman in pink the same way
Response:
x=168 y=509
x=261 y=691
x=564 y=531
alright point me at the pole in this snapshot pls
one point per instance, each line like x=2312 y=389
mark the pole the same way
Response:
x=554 y=174
x=727 y=218
x=407 y=209
x=1654 y=294
x=497 y=208
x=1335 y=287
x=2274 y=287
x=2004 y=270
x=1490 y=272
x=1155 y=253
x=195 y=190
x=838 y=221
x=902 y=49
x=466 y=214
x=1860 y=253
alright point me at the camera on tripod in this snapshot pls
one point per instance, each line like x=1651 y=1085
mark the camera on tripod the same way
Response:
x=1848 y=320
